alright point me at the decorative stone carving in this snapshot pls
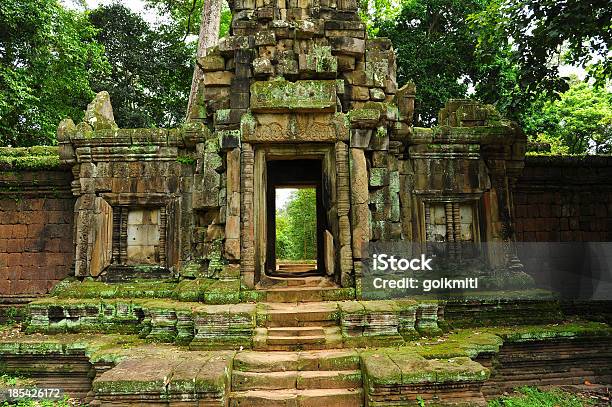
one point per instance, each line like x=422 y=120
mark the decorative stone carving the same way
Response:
x=300 y=96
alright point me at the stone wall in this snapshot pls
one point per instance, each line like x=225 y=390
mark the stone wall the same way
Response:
x=36 y=212
x=564 y=199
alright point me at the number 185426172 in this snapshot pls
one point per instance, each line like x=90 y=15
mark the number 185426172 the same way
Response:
x=32 y=393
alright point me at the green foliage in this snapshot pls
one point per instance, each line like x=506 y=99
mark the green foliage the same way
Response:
x=531 y=396
x=435 y=49
x=186 y=160
x=151 y=72
x=375 y=12
x=535 y=37
x=296 y=227
x=579 y=122
x=187 y=14
x=8 y=380
x=40 y=403
x=29 y=158
x=47 y=57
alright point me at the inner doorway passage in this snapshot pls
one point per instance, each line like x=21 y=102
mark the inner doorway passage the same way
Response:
x=304 y=180
x=296 y=230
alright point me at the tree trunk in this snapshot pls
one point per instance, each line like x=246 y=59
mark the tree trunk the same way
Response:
x=208 y=37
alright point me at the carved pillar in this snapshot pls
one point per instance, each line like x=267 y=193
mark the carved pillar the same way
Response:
x=232 y=221
x=360 y=197
x=247 y=252
x=344 y=206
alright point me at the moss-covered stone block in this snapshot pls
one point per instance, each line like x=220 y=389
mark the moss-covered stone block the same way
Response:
x=364 y=118
x=191 y=290
x=300 y=96
x=380 y=370
x=222 y=292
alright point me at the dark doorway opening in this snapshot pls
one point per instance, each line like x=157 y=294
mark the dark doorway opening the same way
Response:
x=296 y=174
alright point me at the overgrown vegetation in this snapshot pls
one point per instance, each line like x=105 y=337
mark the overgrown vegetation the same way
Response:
x=579 y=121
x=48 y=55
x=510 y=53
x=41 y=403
x=151 y=67
x=296 y=227
x=54 y=59
x=531 y=396
x=514 y=54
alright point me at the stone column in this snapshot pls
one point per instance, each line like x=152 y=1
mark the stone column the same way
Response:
x=344 y=206
x=232 y=221
x=247 y=252
x=359 y=197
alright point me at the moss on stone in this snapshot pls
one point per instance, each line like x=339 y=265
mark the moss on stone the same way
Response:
x=402 y=367
x=338 y=294
x=252 y=295
x=468 y=343
x=222 y=292
x=96 y=289
x=29 y=158
x=364 y=115
x=282 y=95
x=191 y=290
x=186 y=160
x=569 y=330
x=380 y=370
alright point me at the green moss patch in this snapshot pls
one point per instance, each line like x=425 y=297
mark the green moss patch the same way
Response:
x=394 y=367
x=569 y=330
x=305 y=96
x=29 y=158
x=463 y=343
x=95 y=289
x=531 y=396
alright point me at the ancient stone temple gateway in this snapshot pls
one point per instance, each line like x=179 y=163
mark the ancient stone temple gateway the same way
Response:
x=285 y=102
x=170 y=290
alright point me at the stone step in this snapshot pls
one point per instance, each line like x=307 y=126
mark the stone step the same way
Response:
x=243 y=381
x=331 y=339
x=296 y=267
x=302 y=282
x=339 y=379
x=296 y=331
x=308 y=294
x=297 y=340
x=298 y=398
x=304 y=315
x=252 y=361
x=343 y=379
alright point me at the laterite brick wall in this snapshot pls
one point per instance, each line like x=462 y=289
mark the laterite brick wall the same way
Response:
x=560 y=199
x=36 y=216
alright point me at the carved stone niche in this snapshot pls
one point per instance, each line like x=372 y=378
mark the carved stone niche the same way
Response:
x=143 y=233
x=454 y=221
x=137 y=235
x=451 y=221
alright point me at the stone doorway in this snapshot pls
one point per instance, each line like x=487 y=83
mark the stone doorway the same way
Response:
x=298 y=174
x=293 y=165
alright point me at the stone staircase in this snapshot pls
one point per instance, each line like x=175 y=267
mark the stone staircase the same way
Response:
x=315 y=378
x=299 y=326
x=303 y=289
x=293 y=267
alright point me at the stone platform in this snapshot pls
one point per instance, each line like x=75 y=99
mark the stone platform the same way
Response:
x=464 y=366
x=163 y=352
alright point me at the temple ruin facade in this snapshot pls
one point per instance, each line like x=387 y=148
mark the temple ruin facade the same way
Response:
x=295 y=96
x=118 y=240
